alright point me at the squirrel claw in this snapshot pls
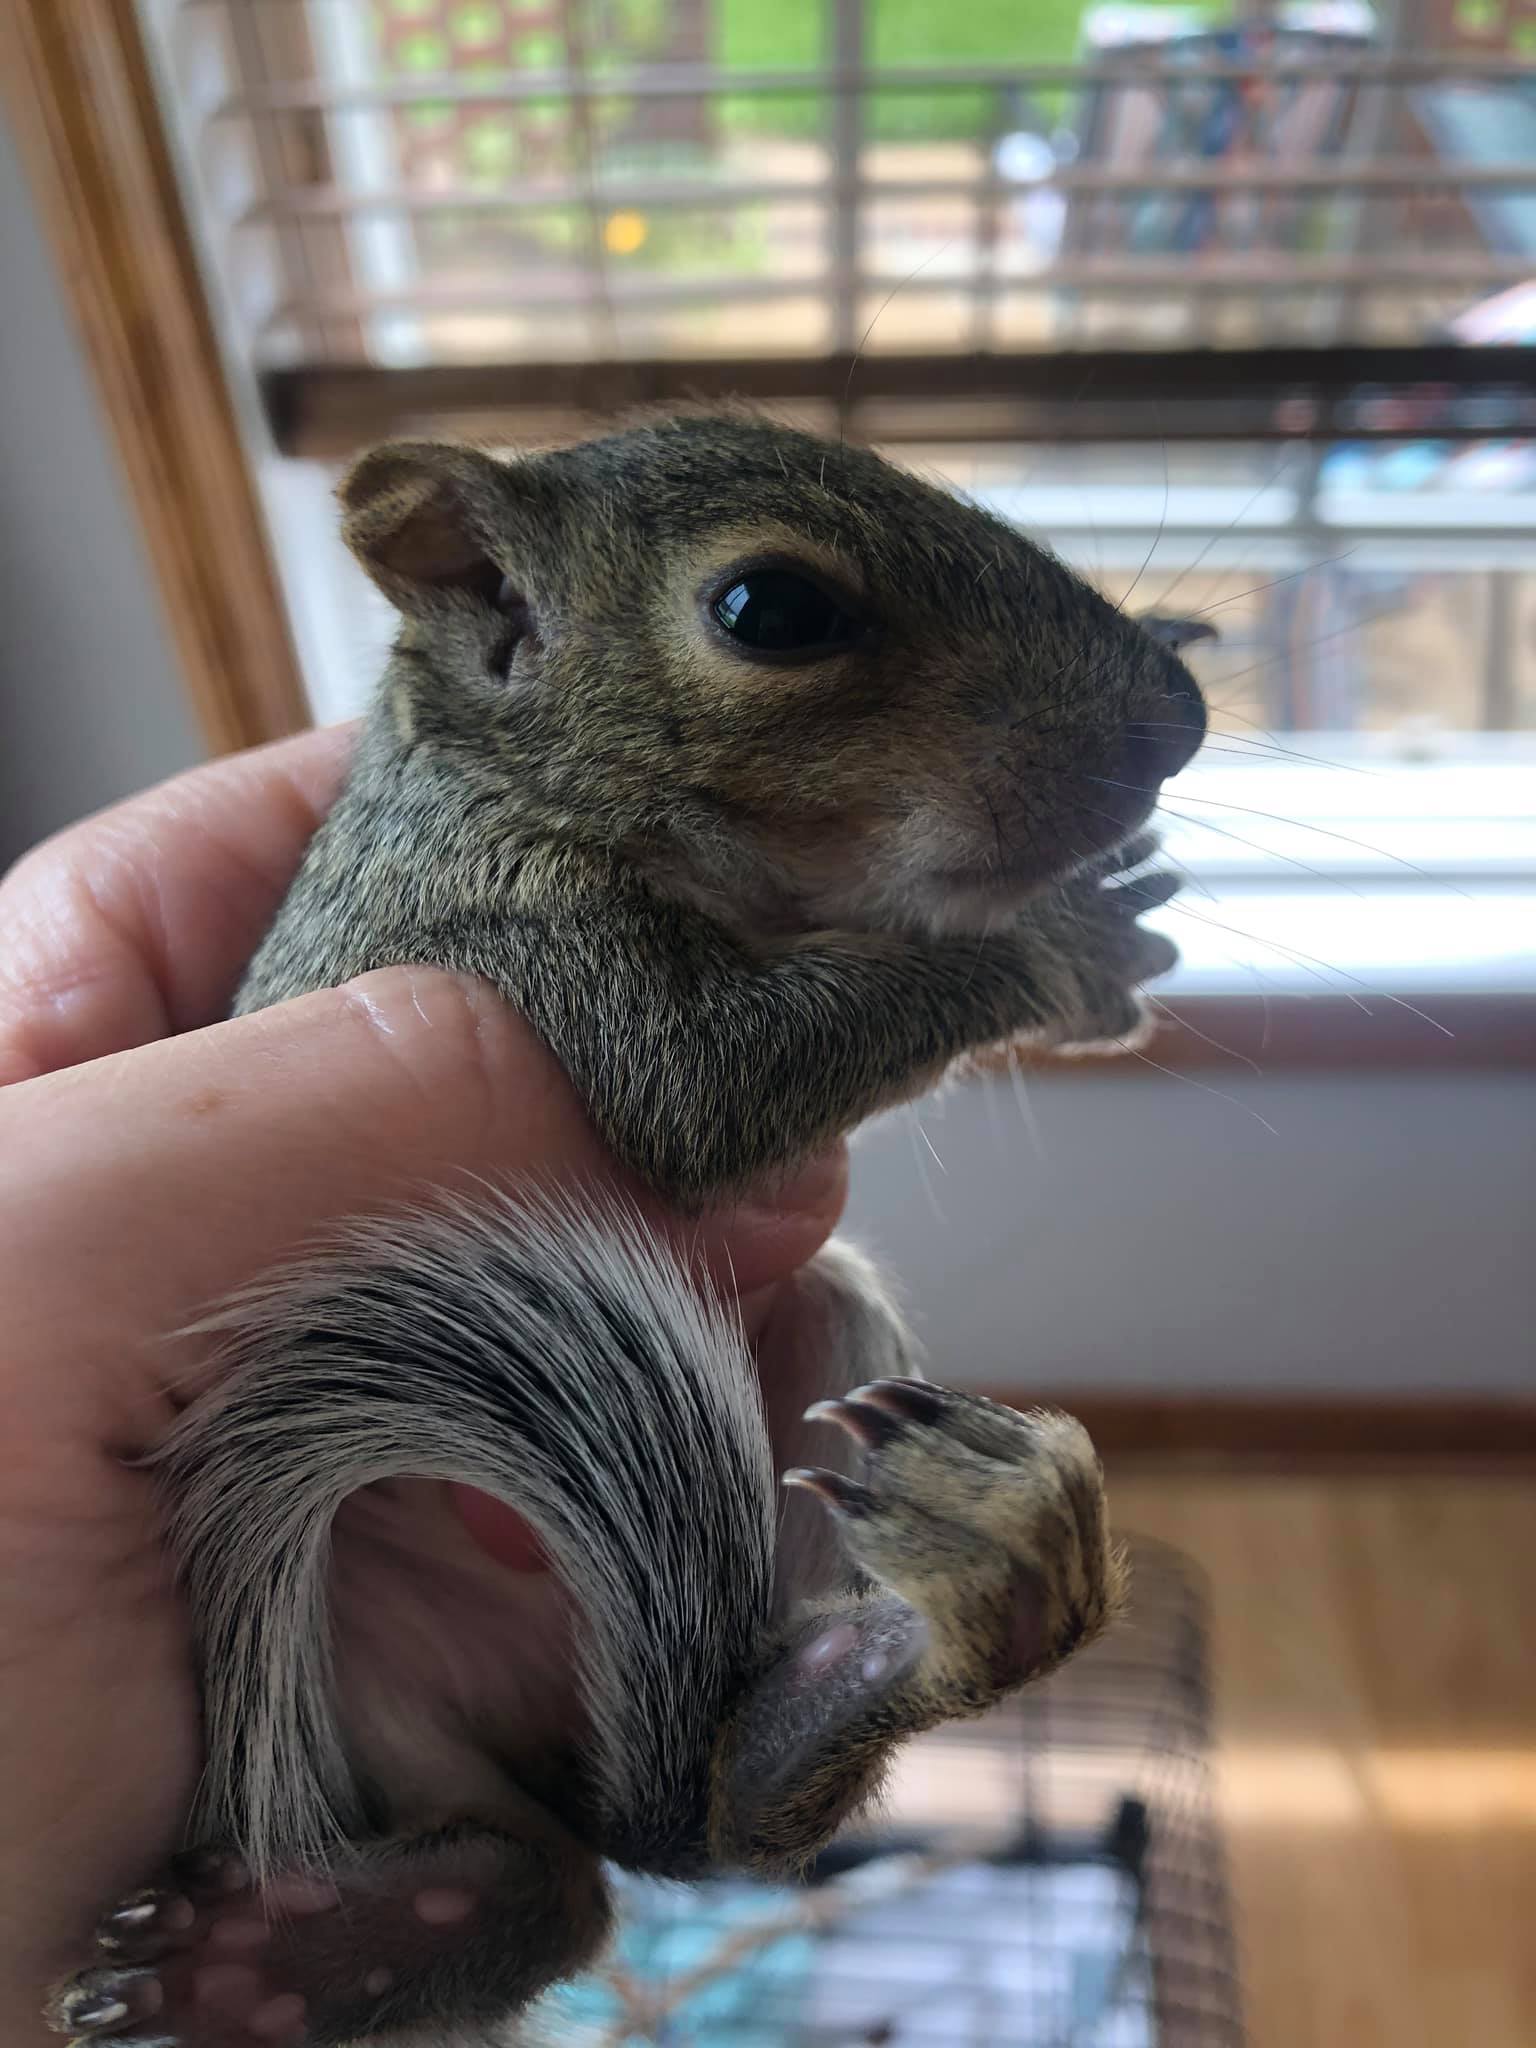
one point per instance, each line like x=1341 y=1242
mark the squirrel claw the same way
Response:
x=100 y=2003
x=146 y=1926
x=209 y=1873
x=913 y=1400
x=843 y=1496
x=869 y=1427
x=872 y=1415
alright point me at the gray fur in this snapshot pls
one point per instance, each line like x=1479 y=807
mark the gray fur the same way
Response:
x=559 y=1360
x=791 y=895
x=746 y=903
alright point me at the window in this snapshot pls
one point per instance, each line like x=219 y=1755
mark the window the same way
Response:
x=1229 y=312
x=438 y=182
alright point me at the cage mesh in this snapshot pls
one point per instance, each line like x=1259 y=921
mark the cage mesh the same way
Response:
x=1051 y=1876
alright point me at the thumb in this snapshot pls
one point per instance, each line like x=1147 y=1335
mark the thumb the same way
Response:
x=177 y=1171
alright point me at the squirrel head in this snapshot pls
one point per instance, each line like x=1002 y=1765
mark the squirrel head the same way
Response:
x=784 y=676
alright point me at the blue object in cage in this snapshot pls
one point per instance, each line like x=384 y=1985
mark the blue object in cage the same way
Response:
x=667 y=1931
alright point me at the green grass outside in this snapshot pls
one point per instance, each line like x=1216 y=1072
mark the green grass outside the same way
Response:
x=746 y=35
x=773 y=35
x=769 y=34
x=782 y=34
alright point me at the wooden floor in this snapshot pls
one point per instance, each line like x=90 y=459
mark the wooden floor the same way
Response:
x=1375 y=1662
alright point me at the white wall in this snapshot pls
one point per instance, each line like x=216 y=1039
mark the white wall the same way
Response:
x=91 y=704
x=1136 y=1232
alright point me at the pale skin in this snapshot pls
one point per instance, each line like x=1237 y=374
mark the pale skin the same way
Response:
x=152 y=1159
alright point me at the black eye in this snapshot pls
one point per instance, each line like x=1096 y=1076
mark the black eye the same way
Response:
x=777 y=612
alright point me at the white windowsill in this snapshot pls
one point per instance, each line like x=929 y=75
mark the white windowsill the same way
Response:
x=1356 y=870
x=1254 y=940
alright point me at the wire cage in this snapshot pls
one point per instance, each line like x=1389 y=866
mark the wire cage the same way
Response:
x=1051 y=1876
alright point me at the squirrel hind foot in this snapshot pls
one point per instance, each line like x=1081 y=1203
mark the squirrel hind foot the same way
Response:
x=462 y=1928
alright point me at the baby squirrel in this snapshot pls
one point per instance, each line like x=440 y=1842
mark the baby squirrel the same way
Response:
x=766 y=780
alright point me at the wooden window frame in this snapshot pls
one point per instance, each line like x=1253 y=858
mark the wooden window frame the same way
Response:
x=326 y=412
x=81 y=95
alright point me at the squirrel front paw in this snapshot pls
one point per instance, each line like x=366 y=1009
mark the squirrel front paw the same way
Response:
x=989 y=1523
x=1094 y=955
x=984 y=1532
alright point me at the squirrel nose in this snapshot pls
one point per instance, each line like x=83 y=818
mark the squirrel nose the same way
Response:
x=1156 y=748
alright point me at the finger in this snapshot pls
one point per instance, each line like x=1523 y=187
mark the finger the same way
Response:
x=180 y=1170
x=138 y=922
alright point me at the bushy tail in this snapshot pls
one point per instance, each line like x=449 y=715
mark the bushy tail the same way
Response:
x=558 y=1359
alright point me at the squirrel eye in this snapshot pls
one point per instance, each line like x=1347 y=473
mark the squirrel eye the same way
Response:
x=774 y=611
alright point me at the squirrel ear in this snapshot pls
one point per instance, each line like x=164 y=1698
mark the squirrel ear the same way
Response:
x=1176 y=633
x=424 y=519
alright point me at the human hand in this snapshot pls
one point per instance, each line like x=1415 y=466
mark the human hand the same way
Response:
x=152 y=1159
